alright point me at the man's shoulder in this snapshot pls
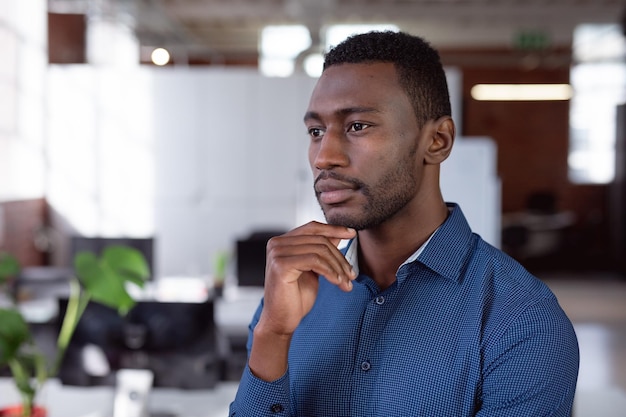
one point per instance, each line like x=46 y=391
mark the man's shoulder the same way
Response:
x=507 y=276
x=513 y=292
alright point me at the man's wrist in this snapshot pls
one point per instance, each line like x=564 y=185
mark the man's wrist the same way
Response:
x=269 y=354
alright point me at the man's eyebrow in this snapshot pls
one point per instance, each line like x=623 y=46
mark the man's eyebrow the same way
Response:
x=312 y=115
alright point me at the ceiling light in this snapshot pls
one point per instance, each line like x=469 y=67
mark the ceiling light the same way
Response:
x=313 y=65
x=521 y=92
x=160 y=56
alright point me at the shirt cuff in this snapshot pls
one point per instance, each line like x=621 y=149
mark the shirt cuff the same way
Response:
x=258 y=398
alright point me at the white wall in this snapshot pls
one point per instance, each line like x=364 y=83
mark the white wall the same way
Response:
x=469 y=177
x=197 y=157
x=22 y=75
x=228 y=162
x=101 y=149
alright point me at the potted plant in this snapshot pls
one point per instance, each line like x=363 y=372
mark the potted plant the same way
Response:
x=102 y=279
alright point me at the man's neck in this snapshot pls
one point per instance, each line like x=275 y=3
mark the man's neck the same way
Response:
x=384 y=249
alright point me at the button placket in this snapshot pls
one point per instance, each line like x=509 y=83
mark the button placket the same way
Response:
x=375 y=317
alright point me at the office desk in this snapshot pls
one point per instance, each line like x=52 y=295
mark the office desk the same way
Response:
x=234 y=310
x=64 y=401
x=232 y=315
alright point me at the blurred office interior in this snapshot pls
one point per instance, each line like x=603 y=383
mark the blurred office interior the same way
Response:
x=199 y=159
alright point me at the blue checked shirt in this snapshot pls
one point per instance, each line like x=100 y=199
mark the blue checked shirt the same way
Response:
x=464 y=331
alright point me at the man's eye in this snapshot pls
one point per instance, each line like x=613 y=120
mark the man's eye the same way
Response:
x=316 y=132
x=356 y=127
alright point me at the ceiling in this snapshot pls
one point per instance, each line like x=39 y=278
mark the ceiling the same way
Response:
x=228 y=30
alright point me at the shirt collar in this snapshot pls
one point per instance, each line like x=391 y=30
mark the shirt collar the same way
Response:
x=352 y=255
x=452 y=238
x=447 y=251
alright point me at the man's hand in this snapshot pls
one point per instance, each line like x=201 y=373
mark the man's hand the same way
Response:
x=294 y=262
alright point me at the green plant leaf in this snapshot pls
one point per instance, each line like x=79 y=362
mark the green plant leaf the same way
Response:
x=105 y=279
x=128 y=262
x=13 y=333
x=9 y=266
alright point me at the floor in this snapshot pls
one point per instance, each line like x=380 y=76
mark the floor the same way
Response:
x=596 y=304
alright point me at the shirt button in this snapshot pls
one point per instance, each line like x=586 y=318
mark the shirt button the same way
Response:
x=277 y=408
x=380 y=300
x=366 y=366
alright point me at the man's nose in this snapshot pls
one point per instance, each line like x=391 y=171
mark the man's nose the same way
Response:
x=330 y=151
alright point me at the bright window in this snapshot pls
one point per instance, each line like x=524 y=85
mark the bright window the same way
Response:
x=599 y=81
x=280 y=45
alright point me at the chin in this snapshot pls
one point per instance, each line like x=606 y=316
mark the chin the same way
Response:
x=354 y=217
x=339 y=219
x=334 y=217
x=355 y=220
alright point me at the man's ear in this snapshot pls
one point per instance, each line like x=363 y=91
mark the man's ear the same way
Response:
x=442 y=132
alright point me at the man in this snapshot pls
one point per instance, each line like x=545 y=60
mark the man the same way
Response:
x=419 y=316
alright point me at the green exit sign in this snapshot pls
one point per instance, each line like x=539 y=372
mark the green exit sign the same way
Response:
x=531 y=40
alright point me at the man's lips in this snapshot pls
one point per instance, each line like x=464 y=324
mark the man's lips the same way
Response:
x=330 y=191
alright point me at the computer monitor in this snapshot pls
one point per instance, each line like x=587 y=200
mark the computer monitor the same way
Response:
x=176 y=341
x=250 y=261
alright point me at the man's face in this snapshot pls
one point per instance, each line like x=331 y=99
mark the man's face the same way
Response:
x=364 y=145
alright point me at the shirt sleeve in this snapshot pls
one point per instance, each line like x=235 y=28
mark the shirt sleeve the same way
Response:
x=531 y=370
x=258 y=398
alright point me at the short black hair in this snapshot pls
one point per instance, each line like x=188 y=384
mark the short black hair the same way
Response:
x=417 y=63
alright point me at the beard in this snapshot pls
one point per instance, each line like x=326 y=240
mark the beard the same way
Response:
x=384 y=199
